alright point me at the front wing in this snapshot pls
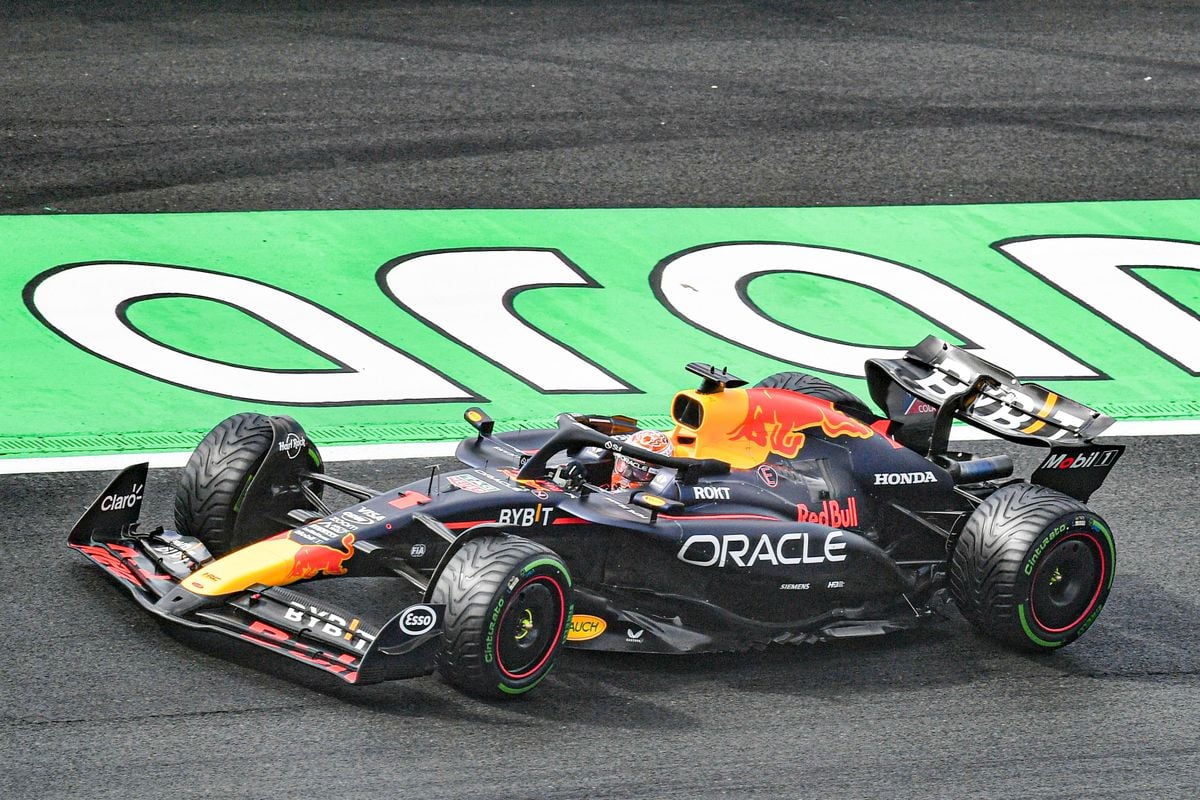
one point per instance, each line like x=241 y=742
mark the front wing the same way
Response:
x=282 y=620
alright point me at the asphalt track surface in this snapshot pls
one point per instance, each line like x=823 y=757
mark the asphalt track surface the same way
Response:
x=196 y=107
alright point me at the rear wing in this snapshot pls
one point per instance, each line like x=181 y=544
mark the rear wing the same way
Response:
x=960 y=384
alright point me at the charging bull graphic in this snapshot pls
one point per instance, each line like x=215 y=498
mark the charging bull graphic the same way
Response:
x=311 y=559
x=776 y=421
x=275 y=561
x=744 y=426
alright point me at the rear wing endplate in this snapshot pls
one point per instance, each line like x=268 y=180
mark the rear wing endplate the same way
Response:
x=1077 y=471
x=962 y=385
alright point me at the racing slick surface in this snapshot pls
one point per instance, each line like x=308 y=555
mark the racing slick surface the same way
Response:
x=227 y=106
x=105 y=702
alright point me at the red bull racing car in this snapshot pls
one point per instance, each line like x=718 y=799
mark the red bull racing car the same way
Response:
x=783 y=512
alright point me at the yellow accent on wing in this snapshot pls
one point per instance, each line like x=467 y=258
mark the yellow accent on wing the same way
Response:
x=269 y=562
x=1037 y=424
x=277 y=561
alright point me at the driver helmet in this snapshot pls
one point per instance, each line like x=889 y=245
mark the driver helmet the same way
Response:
x=629 y=473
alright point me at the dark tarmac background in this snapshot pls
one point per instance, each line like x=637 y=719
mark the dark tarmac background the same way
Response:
x=228 y=106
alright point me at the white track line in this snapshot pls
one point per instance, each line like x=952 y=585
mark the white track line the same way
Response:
x=382 y=452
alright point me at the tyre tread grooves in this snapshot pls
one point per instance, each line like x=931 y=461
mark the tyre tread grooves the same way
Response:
x=988 y=557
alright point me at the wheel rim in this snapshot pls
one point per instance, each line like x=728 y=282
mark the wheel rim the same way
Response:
x=531 y=625
x=1067 y=583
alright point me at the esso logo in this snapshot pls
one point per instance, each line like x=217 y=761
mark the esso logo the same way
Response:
x=416 y=620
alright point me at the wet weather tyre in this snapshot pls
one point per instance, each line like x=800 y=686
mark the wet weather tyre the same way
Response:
x=811 y=385
x=218 y=472
x=508 y=608
x=1033 y=567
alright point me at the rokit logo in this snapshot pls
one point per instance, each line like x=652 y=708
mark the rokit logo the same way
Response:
x=292 y=445
x=900 y=478
x=1100 y=458
x=710 y=492
x=119 y=502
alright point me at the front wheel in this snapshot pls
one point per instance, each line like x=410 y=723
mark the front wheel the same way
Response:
x=508 y=605
x=213 y=484
x=1032 y=567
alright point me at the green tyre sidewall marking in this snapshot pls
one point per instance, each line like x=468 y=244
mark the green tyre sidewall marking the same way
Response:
x=237 y=504
x=551 y=564
x=1033 y=637
x=1112 y=551
x=523 y=689
x=1024 y=586
x=566 y=629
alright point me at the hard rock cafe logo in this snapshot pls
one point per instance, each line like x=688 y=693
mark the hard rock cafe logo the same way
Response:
x=777 y=421
x=292 y=445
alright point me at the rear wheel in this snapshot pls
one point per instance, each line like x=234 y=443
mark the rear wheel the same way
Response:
x=508 y=605
x=811 y=385
x=212 y=484
x=1033 y=567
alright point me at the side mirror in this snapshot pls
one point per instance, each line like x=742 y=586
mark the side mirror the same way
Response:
x=480 y=421
x=570 y=476
x=656 y=504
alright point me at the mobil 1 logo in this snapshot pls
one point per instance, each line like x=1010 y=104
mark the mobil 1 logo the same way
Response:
x=1077 y=471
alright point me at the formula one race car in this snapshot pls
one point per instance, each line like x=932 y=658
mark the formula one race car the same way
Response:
x=786 y=512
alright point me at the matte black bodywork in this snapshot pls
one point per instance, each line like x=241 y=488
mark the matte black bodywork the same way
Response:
x=848 y=535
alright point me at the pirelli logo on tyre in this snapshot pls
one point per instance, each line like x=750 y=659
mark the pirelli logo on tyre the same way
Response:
x=1037 y=551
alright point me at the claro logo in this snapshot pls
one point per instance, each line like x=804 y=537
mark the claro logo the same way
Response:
x=119 y=502
x=708 y=550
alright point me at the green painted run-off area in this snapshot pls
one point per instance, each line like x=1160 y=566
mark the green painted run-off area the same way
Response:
x=611 y=320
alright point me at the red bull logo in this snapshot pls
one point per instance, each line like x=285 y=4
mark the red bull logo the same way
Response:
x=312 y=559
x=776 y=420
x=832 y=514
